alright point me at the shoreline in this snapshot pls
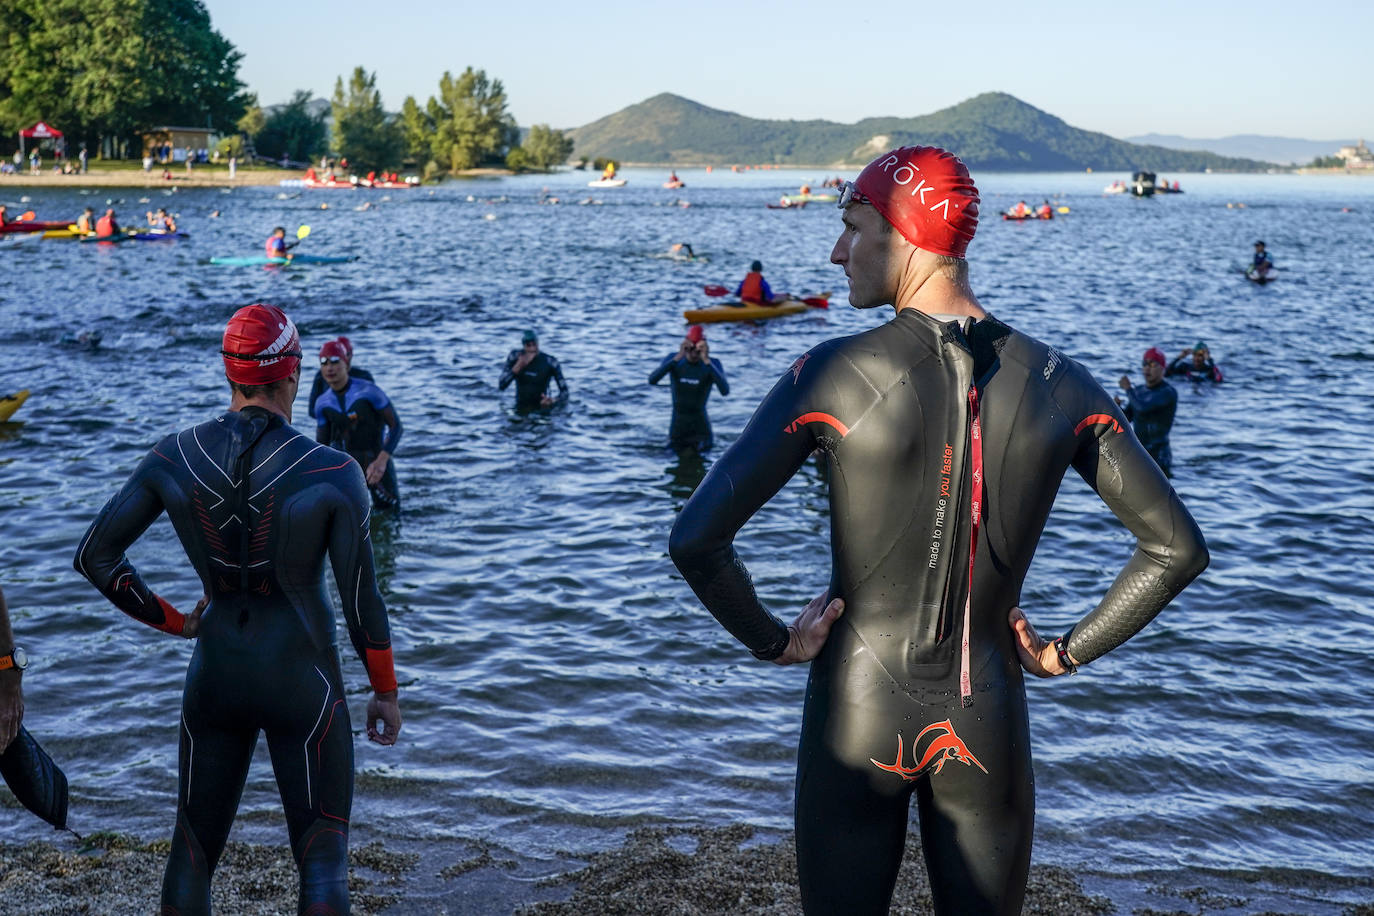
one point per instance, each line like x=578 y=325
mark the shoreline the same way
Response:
x=204 y=177
x=655 y=870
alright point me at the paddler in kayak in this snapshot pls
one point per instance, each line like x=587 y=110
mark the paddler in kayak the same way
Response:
x=107 y=226
x=350 y=415
x=532 y=371
x=1021 y=211
x=754 y=290
x=693 y=372
x=161 y=221
x=277 y=245
x=1045 y=211
x=946 y=434
x=1261 y=264
x=609 y=172
x=85 y=223
x=258 y=508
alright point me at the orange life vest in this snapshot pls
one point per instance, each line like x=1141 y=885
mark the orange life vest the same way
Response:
x=751 y=290
x=105 y=226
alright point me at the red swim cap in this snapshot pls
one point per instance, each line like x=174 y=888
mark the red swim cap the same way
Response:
x=260 y=346
x=347 y=344
x=1156 y=355
x=695 y=334
x=926 y=194
x=334 y=348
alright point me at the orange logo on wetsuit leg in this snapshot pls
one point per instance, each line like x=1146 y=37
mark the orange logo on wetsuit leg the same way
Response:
x=946 y=746
x=1095 y=419
x=816 y=417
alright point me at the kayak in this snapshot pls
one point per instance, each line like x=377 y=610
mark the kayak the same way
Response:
x=157 y=236
x=608 y=183
x=808 y=198
x=14 y=240
x=59 y=234
x=674 y=184
x=264 y=261
x=332 y=185
x=10 y=403
x=741 y=311
x=109 y=239
x=1269 y=276
x=799 y=206
x=1027 y=216
x=33 y=225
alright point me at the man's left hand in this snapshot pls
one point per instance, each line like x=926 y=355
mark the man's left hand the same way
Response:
x=808 y=632
x=1037 y=655
x=11 y=706
x=377 y=468
x=545 y=401
x=1125 y=383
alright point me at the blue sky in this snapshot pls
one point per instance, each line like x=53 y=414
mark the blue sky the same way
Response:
x=1200 y=69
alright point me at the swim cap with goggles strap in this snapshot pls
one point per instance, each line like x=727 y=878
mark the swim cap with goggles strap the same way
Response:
x=925 y=193
x=1156 y=355
x=260 y=346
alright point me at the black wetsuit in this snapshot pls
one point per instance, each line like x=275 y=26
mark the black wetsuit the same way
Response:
x=352 y=421
x=884 y=713
x=690 y=427
x=1183 y=366
x=257 y=506
x=533 y=381
x=319 y=385
x=1151 y=412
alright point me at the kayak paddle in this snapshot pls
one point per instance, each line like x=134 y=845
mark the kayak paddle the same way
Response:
x=817 y=302
x=302 y=232
x=716 y=291
x=25 y=217
x=1063 y=209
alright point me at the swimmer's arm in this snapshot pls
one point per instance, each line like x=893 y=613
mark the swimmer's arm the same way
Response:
x=751 y=471
x=1170 y=551
x=508 y=373
x=100 y=556
x=350 y=555
x=719 y=371
x=394 y=430
x=558 y=377
x=663 y=367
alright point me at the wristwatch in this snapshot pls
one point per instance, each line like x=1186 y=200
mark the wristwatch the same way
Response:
x=16 y=658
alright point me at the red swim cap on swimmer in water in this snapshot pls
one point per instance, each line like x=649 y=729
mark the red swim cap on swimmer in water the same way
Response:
x=260 y=346
x=926 y=194
x=334 y=348
x=695 y=334
x=1156 y=355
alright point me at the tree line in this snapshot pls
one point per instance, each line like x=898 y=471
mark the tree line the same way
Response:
x=101 y=71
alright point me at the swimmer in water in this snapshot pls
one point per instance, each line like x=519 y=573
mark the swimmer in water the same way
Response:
x=531 y=371
x=946 y=433
x=258 y=508
x=693 y=372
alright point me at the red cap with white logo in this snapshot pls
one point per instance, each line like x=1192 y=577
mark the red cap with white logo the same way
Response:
x=926 y=194
x=260 y=346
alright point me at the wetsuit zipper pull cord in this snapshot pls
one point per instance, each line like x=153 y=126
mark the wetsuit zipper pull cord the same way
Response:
x=975 y=515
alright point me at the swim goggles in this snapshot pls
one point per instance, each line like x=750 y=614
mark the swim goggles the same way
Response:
x=849 y=194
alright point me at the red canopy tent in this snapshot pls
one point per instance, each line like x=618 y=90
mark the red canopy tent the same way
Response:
x=39 y=131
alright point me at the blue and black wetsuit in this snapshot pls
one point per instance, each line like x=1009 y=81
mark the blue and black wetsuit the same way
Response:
x=533 y=381
x=886 y=716
x=318 y=387
x=1183 y=366
x=352 y=421
x=690 y=427
x=257 y=507
x=1151 y=412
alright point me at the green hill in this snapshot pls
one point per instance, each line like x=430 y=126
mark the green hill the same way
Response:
x=990 y=132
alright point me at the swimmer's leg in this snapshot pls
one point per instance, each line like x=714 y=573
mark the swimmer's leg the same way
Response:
x=213 y=766
x=313 y=760
x=976 y=826
x=851 y=817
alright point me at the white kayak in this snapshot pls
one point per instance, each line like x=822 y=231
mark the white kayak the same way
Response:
x=607 y=183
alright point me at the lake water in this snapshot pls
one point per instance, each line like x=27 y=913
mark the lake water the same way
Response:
x=559 y=681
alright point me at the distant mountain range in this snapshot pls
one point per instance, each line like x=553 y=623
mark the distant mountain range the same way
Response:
x=990 y=132
x=1283 y=150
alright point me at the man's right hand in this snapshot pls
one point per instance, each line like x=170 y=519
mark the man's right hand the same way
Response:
x=521 y=362
x=387 y=707
x=1125 y=383
x=808 y=632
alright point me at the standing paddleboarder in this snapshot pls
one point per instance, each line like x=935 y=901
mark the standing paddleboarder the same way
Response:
x=258 y=507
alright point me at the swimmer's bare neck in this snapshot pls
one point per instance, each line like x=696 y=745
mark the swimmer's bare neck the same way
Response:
x=928 y=287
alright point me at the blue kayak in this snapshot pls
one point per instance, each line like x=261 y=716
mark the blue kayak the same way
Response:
x=264 y=261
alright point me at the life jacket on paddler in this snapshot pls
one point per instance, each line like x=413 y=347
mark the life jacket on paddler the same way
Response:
x=1045 y=212
x=310 y=174
x=751 y=289
x=106 y=225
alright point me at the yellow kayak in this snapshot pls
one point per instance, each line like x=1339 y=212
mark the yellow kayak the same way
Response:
x=10 y=403
x=739 y=311
x=70 y=232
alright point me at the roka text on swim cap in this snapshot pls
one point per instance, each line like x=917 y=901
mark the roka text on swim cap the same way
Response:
x=260 y=346
x=926 y=194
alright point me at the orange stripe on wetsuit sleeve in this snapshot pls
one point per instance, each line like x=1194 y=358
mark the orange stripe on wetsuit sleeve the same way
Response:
x=816 y=417
x=381 y=670
x=173 y=621
x=1096 y=418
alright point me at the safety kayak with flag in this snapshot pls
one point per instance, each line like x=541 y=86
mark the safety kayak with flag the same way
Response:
x=608 y=183
x=744 y=311
x=11 y=402
x=264 y=261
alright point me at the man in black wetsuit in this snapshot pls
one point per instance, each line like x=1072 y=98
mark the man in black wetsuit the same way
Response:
x=257 y=507
x=946 y=433
x=350 y=416
x=531 y=371
x=1196 y=365
x=1150 y=408
x=693 y=371
x=318 y=387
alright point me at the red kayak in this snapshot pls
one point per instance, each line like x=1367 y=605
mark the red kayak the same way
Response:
x=34 y=225
x=317 y=184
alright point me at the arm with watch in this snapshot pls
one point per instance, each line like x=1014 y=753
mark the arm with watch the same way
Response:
x=13 y=661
